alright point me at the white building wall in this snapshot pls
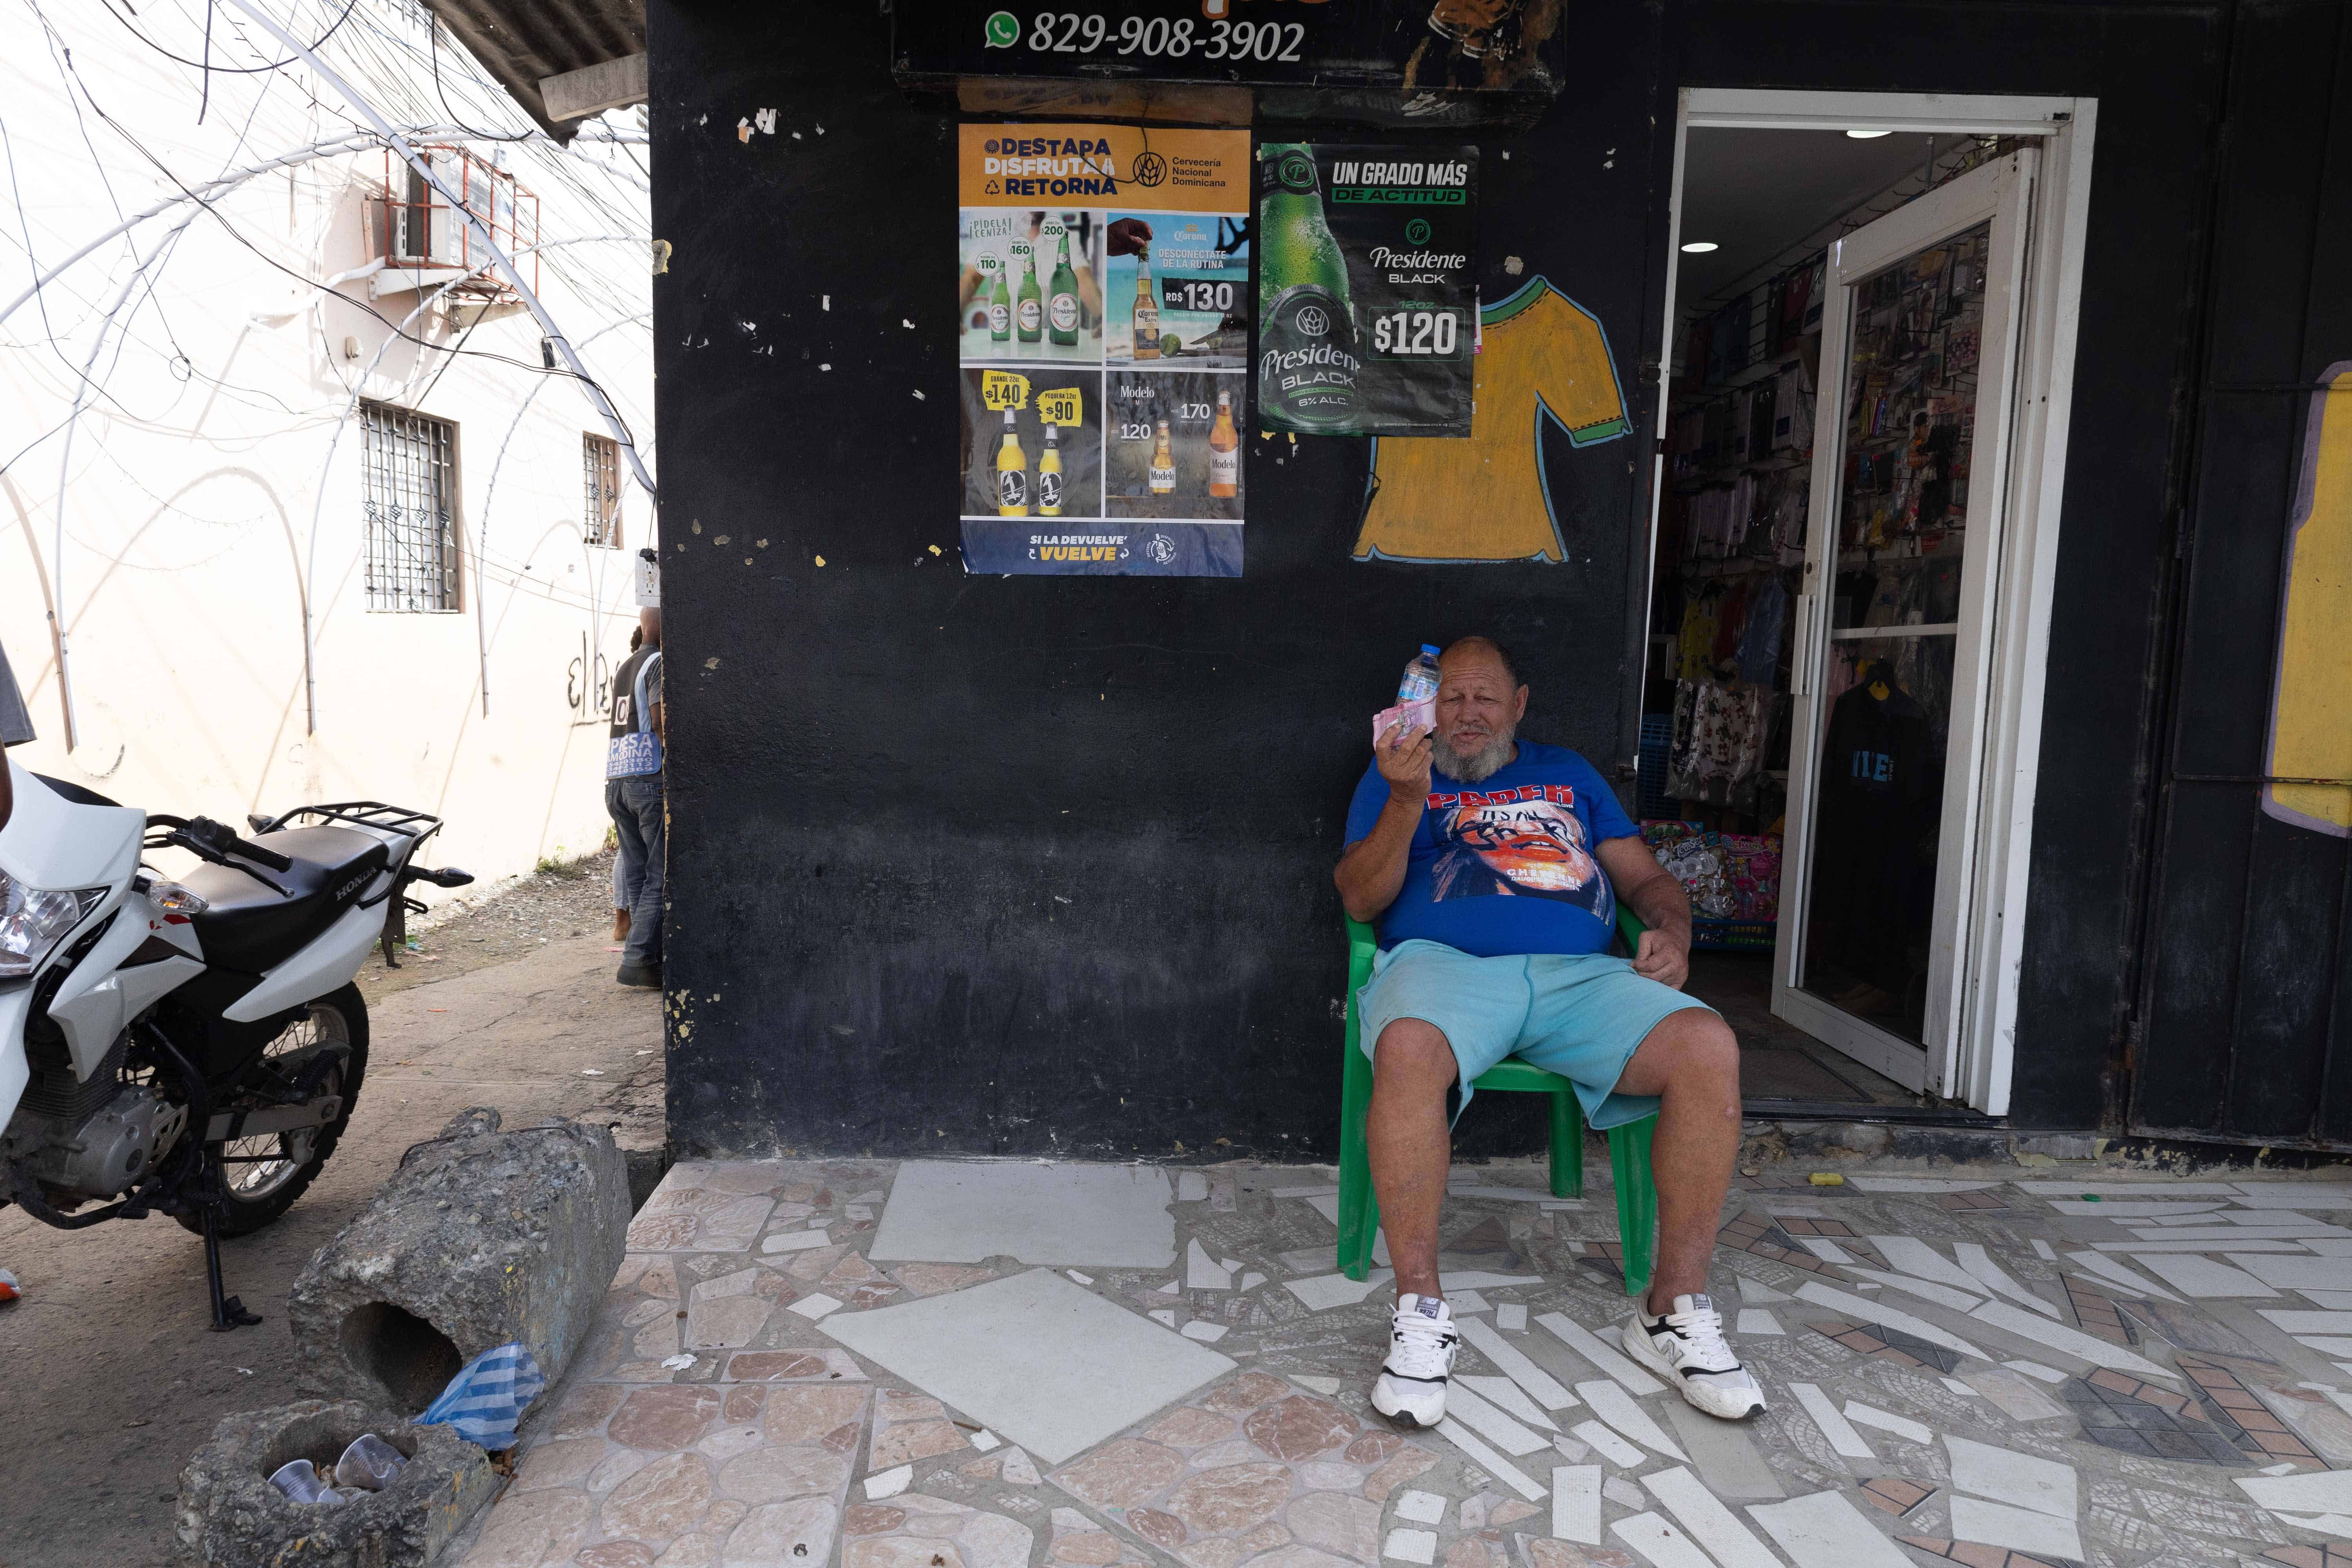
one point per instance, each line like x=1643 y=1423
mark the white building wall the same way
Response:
x=172 y=531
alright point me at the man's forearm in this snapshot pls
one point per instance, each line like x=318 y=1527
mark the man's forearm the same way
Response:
x=1372 y=871
x=1662 y=906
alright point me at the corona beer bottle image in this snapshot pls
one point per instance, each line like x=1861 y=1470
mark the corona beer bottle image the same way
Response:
x=1225 y=451
x=1147 y=310
x=1049 y=474
x=1011 y=473
x=1163 y=465
x=1306 y=341
x=1062 y=299
x=999 y=305
x=1029 y=312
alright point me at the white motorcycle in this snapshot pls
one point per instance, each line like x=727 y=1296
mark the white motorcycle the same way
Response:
x=189 y=1047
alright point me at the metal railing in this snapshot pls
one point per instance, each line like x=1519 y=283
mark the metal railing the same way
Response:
x=412 y=225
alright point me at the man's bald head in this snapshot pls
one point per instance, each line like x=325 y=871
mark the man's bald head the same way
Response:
x=1479 y=705
x=1476 y=646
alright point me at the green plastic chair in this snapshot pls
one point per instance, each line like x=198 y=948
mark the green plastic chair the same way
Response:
x=1629 y=1146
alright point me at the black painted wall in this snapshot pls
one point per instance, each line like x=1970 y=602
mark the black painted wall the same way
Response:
x=2247 y=992
x=1028 y=865
x=1017 y=865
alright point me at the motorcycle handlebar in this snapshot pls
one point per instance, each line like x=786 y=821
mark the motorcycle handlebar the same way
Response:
x=216 y=837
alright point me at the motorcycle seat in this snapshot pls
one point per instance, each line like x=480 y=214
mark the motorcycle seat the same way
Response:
x=250 y=927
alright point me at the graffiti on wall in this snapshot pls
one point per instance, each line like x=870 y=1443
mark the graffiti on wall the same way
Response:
x=2311 y=699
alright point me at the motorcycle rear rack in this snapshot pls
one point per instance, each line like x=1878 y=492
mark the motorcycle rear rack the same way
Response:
x=361 y=814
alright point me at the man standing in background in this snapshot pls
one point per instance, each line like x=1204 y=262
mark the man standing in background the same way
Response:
x=635 y=797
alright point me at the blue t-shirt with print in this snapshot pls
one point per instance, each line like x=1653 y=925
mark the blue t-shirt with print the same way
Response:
x=1506 y=866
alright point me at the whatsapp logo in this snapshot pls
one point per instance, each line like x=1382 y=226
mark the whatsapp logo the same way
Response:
x=1004 y=30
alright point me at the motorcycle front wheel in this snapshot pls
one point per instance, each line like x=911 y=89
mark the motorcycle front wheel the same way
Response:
x=268 y=1173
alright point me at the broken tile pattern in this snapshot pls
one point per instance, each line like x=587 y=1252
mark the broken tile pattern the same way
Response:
x=1974 y=1555
x=1797 y=1224
x=1889 y=1344
x=1893 y=1495
x=1971 y=1202
x=2118 y=1411
x=2241 y=1415
x=1754 y=1232
x=2097 y=1314
x=1251 y=1466
x=705 y=1423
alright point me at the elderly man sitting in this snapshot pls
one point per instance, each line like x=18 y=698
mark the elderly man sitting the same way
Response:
x=1493 y=866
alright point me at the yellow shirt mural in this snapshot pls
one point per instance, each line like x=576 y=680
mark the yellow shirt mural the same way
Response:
x=1544 y=357
x=2311 y=711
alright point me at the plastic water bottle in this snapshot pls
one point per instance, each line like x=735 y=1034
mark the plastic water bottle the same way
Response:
x=1420 y=682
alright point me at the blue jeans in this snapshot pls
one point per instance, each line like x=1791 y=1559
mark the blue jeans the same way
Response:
x=638 y=810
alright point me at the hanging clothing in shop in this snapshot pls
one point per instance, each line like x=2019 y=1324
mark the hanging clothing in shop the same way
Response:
x=1796 y=297
x=1697 y=643
x=1729 y=623
x=1699 y=349
x=1761 y=403
x=1690 y=436
x=1718 y=741
x=1759 y=653
x=1875 y=846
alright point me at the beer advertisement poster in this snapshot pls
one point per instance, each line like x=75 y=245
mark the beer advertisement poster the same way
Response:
x=1368 y=299
x=1103 y=333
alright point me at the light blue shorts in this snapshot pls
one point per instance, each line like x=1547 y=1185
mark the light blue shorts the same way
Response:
x=1579 y=1014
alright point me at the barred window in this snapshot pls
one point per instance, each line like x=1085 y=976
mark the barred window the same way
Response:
x=408 y=488
x=599 y=474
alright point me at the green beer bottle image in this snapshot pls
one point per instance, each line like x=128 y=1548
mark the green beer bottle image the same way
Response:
x=999 y=305
x=1062 y=299
x=1030 y=312
x=1306 y=334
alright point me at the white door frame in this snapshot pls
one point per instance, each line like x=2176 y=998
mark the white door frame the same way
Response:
x=1994 y=195
x=1977 y=1071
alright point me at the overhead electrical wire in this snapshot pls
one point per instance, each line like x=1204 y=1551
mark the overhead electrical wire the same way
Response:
x=558 y=163
x=226 y=70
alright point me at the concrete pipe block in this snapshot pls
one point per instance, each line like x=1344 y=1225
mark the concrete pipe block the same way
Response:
x=229 y=1515
x=480 y=1237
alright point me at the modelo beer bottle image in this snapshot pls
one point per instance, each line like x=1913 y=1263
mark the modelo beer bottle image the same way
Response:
x=1147 y=310
x=1049 y=474
x=1306 y=337
x=1225 y=451
x=1062 y=299
x=1163 y=465
x=1011 y=473
x=999 y=305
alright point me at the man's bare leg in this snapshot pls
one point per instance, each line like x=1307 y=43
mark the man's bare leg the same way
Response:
x=1690 y=1060
x=1411 y=1146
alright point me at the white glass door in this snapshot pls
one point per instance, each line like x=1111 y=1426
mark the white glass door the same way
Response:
x=1920 y=326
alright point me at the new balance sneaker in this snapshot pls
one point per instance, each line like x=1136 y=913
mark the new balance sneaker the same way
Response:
x=1411 y=1389
x=1687 y=1349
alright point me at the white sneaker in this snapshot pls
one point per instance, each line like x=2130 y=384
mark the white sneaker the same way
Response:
x=1687 y=1348
x=1411 y=1389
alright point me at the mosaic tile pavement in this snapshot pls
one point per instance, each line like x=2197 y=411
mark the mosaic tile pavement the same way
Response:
x=1990 y=1371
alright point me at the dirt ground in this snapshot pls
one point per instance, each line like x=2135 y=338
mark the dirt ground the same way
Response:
x=113 y=1377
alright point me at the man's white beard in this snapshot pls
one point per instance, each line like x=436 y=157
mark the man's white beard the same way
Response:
x=1478 y=765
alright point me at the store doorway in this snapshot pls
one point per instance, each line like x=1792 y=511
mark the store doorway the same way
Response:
x=1848 y=498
